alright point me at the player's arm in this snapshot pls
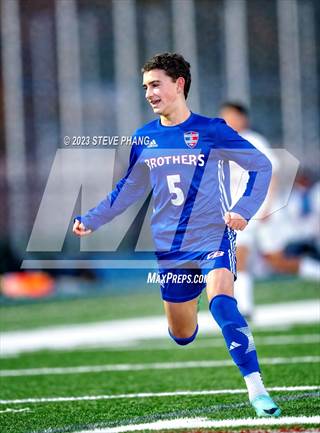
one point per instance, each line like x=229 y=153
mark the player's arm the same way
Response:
x=128 y=190
x=231 y=146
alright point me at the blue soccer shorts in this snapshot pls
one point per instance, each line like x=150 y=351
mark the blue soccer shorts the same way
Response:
x=183 y=277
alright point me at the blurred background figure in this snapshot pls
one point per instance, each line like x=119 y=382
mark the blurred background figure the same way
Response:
x=236 y=115
x=295 y=249
x=288 y=239
x=65 y=73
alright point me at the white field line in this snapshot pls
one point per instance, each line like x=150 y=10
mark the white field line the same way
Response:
x=154 y=394
x=151 y=366
x=141 y=346
x=150 y=328
x=270 y=340
x=9 y=410
x=207 y=423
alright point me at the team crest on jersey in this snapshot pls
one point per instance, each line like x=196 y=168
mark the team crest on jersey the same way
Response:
x=191 y=138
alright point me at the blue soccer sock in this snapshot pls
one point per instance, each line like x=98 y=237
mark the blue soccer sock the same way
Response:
x=236 y=333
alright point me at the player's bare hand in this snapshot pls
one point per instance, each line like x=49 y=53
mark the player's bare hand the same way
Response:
x=79 y=229
x=235 y=221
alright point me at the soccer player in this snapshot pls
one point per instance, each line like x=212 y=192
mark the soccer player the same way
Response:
x=236 y=116
x=186 y=163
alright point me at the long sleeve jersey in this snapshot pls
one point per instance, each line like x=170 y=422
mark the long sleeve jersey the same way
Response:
x=187 y=168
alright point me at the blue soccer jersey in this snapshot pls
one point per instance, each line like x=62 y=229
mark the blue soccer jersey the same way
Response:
x=187 y=167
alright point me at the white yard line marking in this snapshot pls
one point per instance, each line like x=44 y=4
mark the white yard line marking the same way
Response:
x=152 y=366
x=139 y=345
x=206 y=343
x=288 y=339
x=207 y=423
x=155 y=394
x=9 y=410
x=146 y=328
x=270 y=340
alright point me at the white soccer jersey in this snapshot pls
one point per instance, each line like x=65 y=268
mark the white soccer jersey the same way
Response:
x=239 y=176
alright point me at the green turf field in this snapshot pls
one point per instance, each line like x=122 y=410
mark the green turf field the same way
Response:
x=69 y=311
x=106 y=387
x=162 y=367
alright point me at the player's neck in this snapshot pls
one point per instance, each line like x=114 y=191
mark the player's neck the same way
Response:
x=180 y=115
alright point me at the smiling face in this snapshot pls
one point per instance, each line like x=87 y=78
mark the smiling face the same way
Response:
x=162 y=92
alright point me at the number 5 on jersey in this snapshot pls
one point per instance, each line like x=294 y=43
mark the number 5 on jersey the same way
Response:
x=172 y=181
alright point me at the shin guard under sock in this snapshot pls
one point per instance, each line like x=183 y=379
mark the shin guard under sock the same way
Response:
x=236 y=333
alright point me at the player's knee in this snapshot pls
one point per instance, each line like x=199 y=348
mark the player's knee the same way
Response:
x=182 y=339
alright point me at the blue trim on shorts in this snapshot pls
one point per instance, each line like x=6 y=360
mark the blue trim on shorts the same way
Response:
x=177 y=300
x=184 y=341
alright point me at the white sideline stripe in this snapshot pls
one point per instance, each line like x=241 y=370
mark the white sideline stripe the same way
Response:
x=152 y=366
x=155 y=394
x=141 y=346
x=271 y=340
x=118 y=331
x=207 y=423
x=8 y=410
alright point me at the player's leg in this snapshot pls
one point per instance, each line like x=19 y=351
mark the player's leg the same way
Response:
x=180 y=296
x=238 y=338
x=243 y=286
x=224 y=309
x=182 y=320
x=274 y=248
x=304 y=267
x=221 y=272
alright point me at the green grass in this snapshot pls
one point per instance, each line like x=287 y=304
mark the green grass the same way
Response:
x=85 y=415
x=78 y=415
x=58 y=417
x=69 y=311
x=47 y=313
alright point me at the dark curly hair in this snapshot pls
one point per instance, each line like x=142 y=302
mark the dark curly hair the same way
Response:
x=174 y=65
x=235 y=105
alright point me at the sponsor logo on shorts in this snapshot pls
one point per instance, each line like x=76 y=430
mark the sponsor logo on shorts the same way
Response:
x=215 y=254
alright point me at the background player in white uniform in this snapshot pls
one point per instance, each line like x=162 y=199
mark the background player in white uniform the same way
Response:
x=236 y=115
x=296 y=248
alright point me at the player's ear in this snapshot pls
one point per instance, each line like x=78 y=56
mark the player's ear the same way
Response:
x=180 y=84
